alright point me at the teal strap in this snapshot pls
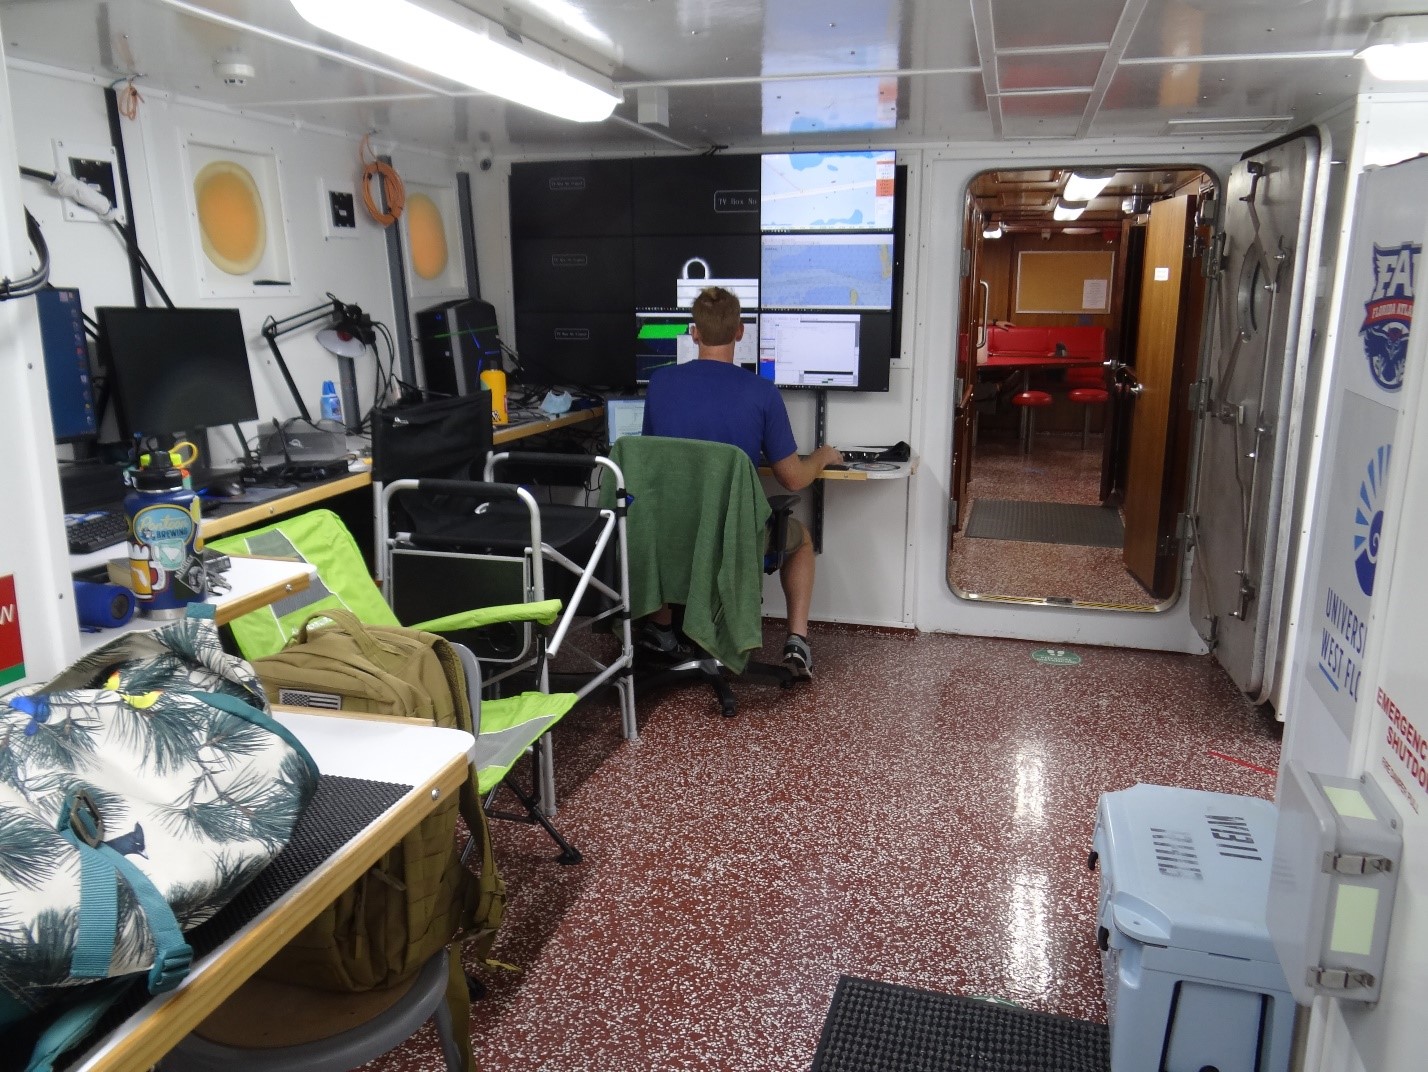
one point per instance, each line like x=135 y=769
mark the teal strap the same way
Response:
x=235 y=706
x=98 y=911
x=69 y=1028
x=172 y=955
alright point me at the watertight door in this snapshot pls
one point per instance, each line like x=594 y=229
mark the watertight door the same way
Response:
x=1250 y=400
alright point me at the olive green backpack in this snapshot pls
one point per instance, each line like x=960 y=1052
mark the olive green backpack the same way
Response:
x=420 y=895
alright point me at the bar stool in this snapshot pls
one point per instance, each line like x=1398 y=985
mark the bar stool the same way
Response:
x=1030 y=402
x=1088 y=397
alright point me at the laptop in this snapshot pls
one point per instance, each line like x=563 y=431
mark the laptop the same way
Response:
x=623 y=416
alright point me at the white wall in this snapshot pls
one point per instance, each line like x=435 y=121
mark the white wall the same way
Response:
x=46 y=105
x=53 y=105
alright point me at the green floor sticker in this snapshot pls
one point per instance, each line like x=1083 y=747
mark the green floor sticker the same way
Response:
x=1056 y=657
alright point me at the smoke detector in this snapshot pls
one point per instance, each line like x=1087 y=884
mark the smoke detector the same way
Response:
x=234 y=68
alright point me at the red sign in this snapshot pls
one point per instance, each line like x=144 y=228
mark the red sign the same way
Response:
x=12 y=654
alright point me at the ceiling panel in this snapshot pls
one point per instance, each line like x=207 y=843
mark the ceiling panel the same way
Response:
x=1048 y=70
x=1213 y=27
x=1036 y=23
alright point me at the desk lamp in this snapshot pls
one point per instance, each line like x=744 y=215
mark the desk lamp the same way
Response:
x=347 y=334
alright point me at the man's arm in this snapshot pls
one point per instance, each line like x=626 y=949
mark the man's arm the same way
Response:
x=796 y=473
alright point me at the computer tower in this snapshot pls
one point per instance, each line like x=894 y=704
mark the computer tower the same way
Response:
x=457 y=340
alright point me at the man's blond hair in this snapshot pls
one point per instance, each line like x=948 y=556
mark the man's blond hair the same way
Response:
x=716 y=315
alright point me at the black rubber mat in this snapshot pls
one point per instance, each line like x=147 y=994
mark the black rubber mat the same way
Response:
x=337 y=813
x=1045 y=522
x=883 y=1027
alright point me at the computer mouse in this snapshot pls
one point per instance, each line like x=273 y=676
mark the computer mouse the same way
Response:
x=836 y=465
x=226 y=489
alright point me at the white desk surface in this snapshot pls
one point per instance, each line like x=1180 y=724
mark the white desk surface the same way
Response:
x=431 y=760
x=247 y=576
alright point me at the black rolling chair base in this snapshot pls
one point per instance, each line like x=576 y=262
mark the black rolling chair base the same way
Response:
x=653 y=674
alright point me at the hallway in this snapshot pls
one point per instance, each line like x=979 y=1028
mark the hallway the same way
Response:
x=1056 y=470
x=920 y=814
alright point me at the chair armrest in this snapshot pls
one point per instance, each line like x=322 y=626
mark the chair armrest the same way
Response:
x=544 y=612
x=782 y=507
x=782 y=504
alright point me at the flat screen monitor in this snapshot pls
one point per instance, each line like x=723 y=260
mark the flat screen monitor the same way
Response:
x=664 y=339
x=827 y=271
x=846 y=191
x=815 y=348
x=176 y=370
x=624 y=416
x=67 y=373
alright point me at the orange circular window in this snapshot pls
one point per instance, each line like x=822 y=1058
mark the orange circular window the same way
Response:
x=427 y=234
x=230 y=216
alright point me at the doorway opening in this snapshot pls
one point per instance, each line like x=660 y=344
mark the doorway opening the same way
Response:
x=1078 y=349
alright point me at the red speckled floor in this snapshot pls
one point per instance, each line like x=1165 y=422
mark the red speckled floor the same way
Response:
x=920 y=813
x=1056 y=470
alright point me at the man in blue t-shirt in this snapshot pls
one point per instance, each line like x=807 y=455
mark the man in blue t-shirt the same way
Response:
x=714 y=399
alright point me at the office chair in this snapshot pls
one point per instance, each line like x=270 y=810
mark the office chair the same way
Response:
x=699 y=524
x=440 y=540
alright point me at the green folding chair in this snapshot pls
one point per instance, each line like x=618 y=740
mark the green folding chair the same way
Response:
x=505 y=729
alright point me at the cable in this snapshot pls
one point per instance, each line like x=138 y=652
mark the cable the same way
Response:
x=27 y=285
x=129 y=100
x=393 y=190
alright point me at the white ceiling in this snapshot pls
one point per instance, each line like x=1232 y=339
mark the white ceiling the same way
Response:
x=756 y=73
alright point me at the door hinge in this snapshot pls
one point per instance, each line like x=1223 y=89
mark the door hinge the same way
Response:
x=1245 y=595
x=1200 y=396
x=1215 y=257
x=1185 y=529
x=1338 y=978
x=966 y=268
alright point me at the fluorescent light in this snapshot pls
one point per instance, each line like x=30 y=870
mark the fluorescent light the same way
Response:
x=1397 y=49
x=992 y=230
x=1086 y=183
x=449 y=40
x=1068 y=210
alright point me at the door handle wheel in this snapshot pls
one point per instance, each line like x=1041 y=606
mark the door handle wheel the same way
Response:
x=1133 y=389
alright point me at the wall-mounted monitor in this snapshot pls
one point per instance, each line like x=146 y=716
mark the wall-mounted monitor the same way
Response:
x=852 y=191
x=176 y=370
x=798 y=233
x=819 y=349
x=67 y=376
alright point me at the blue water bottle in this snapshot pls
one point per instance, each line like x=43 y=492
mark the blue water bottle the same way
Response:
x=165 y=568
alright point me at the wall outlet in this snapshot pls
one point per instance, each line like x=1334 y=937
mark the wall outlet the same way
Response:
x=93 y=165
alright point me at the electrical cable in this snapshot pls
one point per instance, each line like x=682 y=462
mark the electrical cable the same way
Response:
x=27 y=285
x=129 y=100
x=394 y=192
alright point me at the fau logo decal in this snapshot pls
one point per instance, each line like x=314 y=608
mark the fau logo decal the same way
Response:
x=1389 y=312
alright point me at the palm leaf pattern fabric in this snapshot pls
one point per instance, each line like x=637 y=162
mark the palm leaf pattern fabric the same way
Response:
x=198 y=798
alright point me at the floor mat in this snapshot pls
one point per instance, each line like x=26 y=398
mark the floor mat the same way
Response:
x=883 y=1027
x=1045 y=522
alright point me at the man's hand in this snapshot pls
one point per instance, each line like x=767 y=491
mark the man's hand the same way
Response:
x=796 y=473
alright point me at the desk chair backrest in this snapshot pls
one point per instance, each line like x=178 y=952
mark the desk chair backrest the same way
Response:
x=696 y=523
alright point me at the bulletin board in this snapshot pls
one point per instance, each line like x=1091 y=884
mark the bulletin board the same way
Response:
x=1064 y=281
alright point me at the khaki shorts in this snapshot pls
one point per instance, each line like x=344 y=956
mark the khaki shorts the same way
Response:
x=793 y=537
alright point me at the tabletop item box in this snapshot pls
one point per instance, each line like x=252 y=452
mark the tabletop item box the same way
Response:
x=1192 y=979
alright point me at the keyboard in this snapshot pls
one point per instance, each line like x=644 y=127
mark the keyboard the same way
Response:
x=94 y=530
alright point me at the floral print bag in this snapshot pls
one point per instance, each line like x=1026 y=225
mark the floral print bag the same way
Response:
x=140 y=791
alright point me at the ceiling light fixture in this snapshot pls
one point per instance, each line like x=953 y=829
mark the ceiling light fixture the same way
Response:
x=993 y=229
x=1397 y=49
x=456 y=43
x=1087 y=183
x=1067 y=210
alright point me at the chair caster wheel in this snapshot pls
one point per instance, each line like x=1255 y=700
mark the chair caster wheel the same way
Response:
x=475 y=988
x=727 y=709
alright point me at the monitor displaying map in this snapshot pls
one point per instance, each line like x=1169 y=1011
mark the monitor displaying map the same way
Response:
x=828 y=191
x=827 y=271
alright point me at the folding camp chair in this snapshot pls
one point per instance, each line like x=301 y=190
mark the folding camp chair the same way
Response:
x=442 y=540
x=505 y=729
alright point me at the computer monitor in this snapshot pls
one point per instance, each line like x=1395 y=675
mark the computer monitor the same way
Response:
x=664 y=339
x=67 y=374
x=176 y=370
x=624 y=416
x=828 y=350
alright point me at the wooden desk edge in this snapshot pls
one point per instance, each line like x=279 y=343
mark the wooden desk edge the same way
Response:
x=511 y=433
x=141 y=1044
x=284 y=504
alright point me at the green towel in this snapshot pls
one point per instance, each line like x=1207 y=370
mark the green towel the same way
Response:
x=696 y=529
